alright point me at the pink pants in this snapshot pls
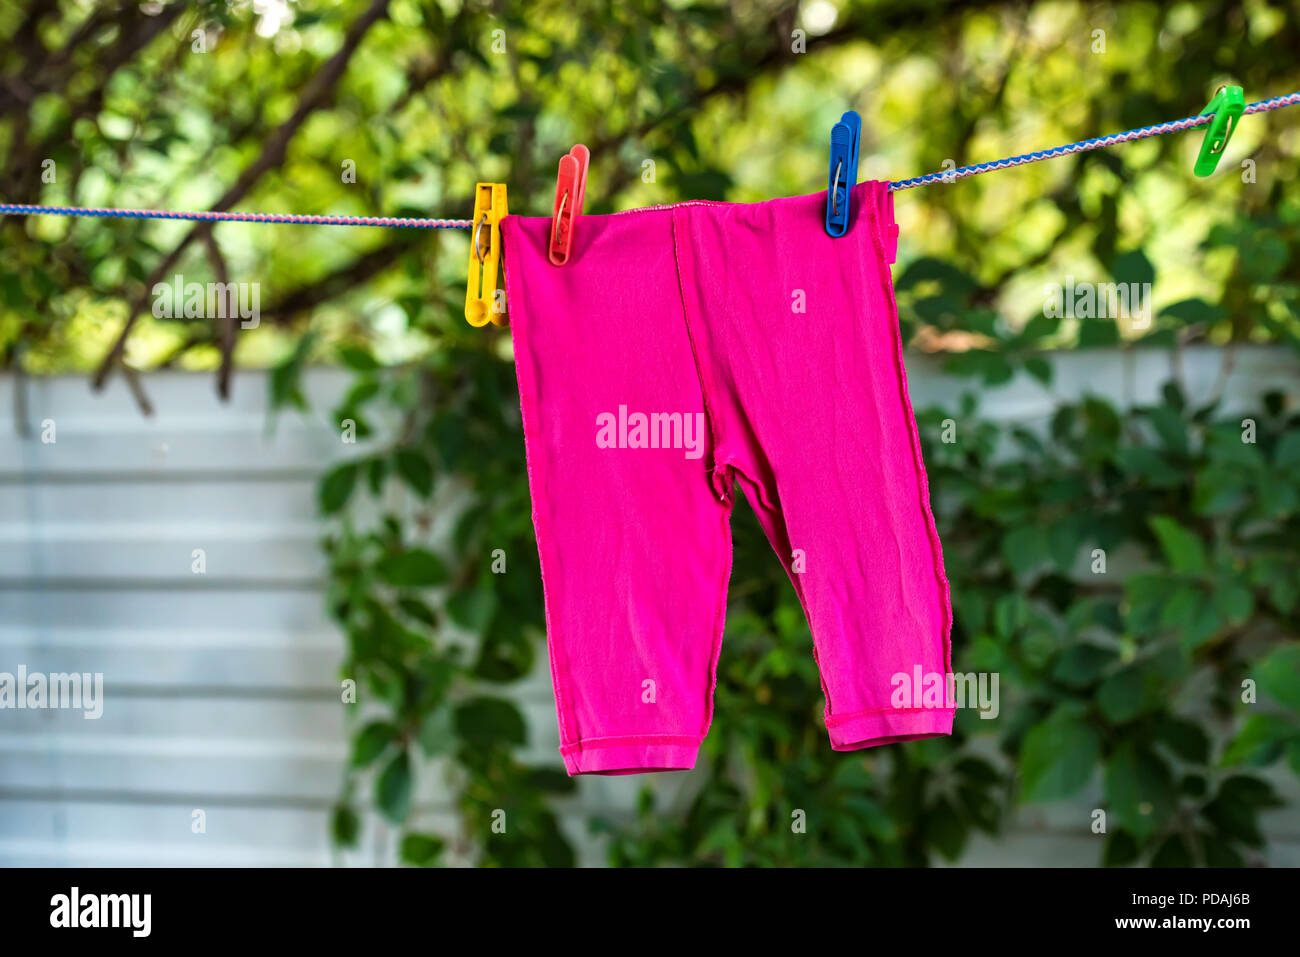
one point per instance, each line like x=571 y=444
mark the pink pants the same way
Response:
x=684 y=351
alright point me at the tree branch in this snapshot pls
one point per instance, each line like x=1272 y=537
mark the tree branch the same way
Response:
x=229 y=331
x=314 y=94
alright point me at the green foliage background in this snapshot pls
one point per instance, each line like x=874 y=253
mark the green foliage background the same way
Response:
x=1129 y=679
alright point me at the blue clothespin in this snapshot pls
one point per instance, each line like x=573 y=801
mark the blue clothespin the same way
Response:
x=845 y=137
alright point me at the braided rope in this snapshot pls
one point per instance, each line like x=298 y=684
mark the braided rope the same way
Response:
x=948 y=176
x=215 y=216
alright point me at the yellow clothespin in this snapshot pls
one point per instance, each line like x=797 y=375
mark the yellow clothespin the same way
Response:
x=481 y=304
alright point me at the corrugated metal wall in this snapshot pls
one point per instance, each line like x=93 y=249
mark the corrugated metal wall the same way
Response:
x=222 y=687
x=218 y=686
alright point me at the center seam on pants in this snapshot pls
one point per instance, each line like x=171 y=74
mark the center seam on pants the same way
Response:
x=717 y=473
x=722 y=472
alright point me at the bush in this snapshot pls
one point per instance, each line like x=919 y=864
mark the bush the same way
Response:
x=1128 y=575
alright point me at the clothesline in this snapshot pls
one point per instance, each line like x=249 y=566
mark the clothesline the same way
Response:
x=945 y=176
x=1083 y=146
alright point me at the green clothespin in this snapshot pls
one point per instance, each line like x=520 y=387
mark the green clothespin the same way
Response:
x=1227 y=107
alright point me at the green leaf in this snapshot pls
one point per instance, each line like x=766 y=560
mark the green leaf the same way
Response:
x=1276 y=575
x=363 y=390
x=1185 y=738
x=357 y=358
x=1235 y=809
x=1057 y=757
x=1183 y=550
x=1122 y=697
x=412 y=568
x=1040 y=369
x=1064 y=536
x=551 y=781
x=1278 y=496
x=418 y=610
x=706 y=183
x=1025 y=549
x=393 y=789
x=1279 y=675
x=1146 y=597
x=1082 y=664
x=421 y=850
x=1141 y=687
x=1133 y=267
x=942 y=311
x=1188 y=312
x=336 y=487
x=437 y=736
x=941 y=271
x=376 y=472
x=285 y=381
x=1144 y=463
x=490 y=722
x=1219 y=491
x=1140 y=790
x=1262 y=256
x=1225 y=446
x=992 y=367
x=1183 y=608
x=1172 y=853
x=721 y=837
x=1010 y=614
x=945 y=829
x=1261 y=739
x=505 y=653
x=1171 y=428
x=415 y=471
x=1039 y=327
x=1121 y=850
x=1098 y=334
x=872 y=818
x=1219 y=853
x=345 y=826
x=1234 y=603
x=1287 y=454
x=372 y=741
x=472 y=608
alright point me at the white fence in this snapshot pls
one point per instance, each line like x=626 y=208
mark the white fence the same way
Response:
x=222 y=686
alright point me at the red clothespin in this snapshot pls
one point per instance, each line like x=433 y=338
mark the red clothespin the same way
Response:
x=570 y=190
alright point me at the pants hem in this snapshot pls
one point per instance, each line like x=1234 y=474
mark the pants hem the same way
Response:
x=872 y=729
x=633 y=754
